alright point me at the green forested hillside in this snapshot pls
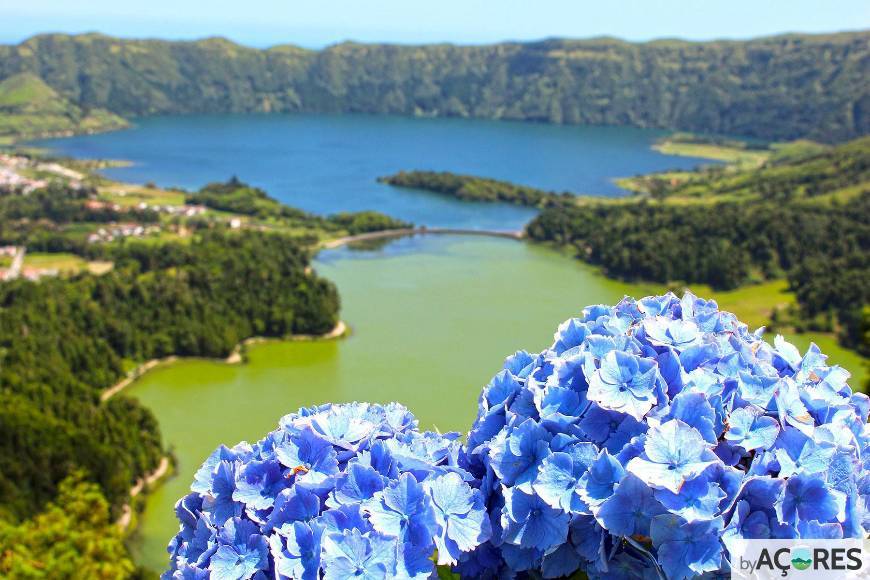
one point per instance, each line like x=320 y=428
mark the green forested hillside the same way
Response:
x=62 y=341
x=775 y=88
x=74 y=537
x=67 y=457
x=804 y=215
x=793 y=171
x=31 y=108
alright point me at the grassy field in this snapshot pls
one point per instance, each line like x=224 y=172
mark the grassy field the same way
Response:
x=132 y=195
x=64 y=263
x=732 y=155
x=30 y=108
x=99 y=268
x=636 y=184
x=752 y=304
x=26 y=90
x=60 y=262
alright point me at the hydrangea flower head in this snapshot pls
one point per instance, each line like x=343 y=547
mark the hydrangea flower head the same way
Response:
x=653 y=434
x=336 y=491
x=647 y=440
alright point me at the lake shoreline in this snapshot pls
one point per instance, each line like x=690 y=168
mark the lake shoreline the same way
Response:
x=143 y=484
x=143 y=526
x=163 y=470
x=235 y=357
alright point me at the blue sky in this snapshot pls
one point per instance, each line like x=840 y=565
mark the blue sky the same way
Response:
x=321 y=22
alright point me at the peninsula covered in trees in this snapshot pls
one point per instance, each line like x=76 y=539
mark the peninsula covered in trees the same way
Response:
x=777 y=88
x=471 y=188
x=240 y=198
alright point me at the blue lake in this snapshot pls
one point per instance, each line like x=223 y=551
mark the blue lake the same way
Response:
x=330 y=163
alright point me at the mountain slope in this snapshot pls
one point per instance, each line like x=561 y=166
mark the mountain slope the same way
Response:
x=779 y=88
x=31 y=108
x=794 y=172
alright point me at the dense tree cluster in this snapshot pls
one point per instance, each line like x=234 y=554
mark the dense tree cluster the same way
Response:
x=723 y=245
x=827 y=287
x=74 y=537
x=789 y=222
x=361 y=222
x=237 y=197
x=471 y=188
x=62 y=341
x=240 y=198
x=62 y=204
x=774 y=88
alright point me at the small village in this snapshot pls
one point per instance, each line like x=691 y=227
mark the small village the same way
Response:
x=22 y=175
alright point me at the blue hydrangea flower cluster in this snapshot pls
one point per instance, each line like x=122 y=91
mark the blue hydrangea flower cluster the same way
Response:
x=643 y=443
x=652 y=435
x=337 y=491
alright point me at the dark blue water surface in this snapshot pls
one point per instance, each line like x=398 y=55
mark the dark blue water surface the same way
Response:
x=329 y=163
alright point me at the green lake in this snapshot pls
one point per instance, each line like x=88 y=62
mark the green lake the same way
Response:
x=432 y=319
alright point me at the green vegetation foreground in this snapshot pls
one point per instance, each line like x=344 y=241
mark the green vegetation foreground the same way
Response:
x=65 y=340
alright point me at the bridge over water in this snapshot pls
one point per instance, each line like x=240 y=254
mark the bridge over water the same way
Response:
x=514 y=235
